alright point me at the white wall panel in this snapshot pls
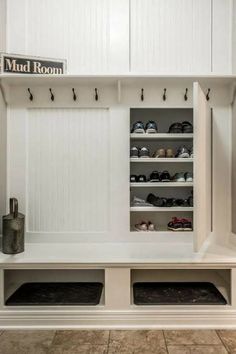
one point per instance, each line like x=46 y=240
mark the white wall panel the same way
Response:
x=68 y=170
x=86 y=33
x=2 y=25
x=3 y=162
x=222 y=36
x=171 y=36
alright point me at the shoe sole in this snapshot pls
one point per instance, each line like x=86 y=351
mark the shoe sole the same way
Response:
x=189 y=180
x=136 y=229
x=173 y=229
x=151 y=131
x=139 y=131
x=165 y=180
x=185 y=155
x=180 y=180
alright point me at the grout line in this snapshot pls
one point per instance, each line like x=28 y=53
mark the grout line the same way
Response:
x=108 y=344
x=218 y=335
x=165 y=341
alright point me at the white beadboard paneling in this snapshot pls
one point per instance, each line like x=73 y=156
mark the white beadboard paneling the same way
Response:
x=171 y=36
x=92 y=35
x=3 y=162
x=68 y=170
x=3 y=25
x=222 y=36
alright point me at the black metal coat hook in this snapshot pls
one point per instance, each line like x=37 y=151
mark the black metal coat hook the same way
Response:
x=186 y=95
x=52 y=95
x=208 y=94
x=142 y=94
x=164 y=95
x=74 y=95
x=31 y=97
x=96 y=94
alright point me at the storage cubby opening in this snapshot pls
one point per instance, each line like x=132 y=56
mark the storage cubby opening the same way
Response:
x=164 y=117
x=211 y=287
x=160 y=217
x=82 y=287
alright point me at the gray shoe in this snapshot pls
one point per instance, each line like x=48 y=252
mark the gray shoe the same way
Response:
x=144 y=152
x=179 y=177
x=134 y=152
x=183 y=152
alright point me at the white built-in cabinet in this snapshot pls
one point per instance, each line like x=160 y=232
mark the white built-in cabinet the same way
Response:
x=68 y=161
x=161 y=36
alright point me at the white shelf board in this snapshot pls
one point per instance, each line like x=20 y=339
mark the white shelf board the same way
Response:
x=156 y=160
x=153 y=208
x=161 y=136
x=160 y=184
x=26 y=79
x=161 y=253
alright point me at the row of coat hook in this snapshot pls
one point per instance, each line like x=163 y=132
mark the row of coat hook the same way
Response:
x=52 y=96
x=164 y=96
x=74 y=96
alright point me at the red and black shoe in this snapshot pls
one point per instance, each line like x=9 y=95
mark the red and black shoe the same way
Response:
x=180 y=225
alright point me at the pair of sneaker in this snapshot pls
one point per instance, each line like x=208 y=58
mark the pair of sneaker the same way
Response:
x=180 y=224
x=140 y=178
x=178 y=128
x=155 y=176
x=169 y=202
x=139 y=127
x=163 y=153
x=136 y=152
x=183 y=177
x=145 y=226
x=184 y=152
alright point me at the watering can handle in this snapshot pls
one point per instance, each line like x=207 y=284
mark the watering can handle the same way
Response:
x=14 y=207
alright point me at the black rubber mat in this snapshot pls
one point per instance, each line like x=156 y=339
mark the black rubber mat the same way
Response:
x=56 y=294
x=177 y=293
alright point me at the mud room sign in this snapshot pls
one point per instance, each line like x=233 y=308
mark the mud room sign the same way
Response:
x=17 y=64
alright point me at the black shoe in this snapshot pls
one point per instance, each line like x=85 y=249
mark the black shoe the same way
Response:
x=179 y=202
x=154 y=177
x=190 y=201
x=156 y=201
x=175 y=128
x=141 y=178
x=133 y=178
x=144 y=152
x=165 y=176
x=169 y=202
x=187 y=127
x=138 y=127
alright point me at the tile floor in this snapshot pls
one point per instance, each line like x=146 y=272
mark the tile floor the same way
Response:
x=125 y=342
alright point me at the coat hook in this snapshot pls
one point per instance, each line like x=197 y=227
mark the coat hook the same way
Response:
x=208 y=94
x=52 y=95
x=186 y=95
x=164 y=95
x=96 y=94
x=74 y=95
x=142 y=94
x=31 y=97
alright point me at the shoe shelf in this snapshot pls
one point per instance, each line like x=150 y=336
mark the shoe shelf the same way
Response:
x=160 y=184
x=165 y=136
x=156 y=160
x=163 y=209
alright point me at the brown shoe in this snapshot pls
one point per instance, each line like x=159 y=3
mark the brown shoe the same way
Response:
x=159 y=153
x=169 y=153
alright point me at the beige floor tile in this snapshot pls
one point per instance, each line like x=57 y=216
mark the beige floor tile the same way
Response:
x=25 y=342
x=73 y=338
x=198 y=349
x=138 y=342
x=228 y=337
x=78 y=349
x=192 y=337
